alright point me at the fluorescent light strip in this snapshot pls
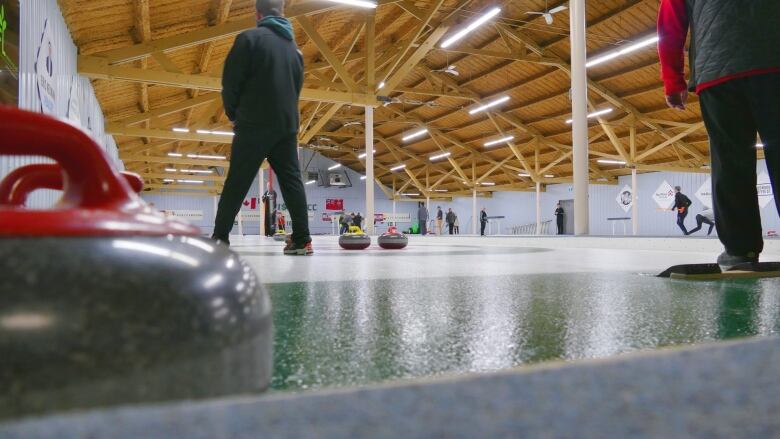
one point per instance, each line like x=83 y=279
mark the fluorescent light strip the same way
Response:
x=611 y=162
x=207 y=157
x=191 y=181
x=381 y=84
x=396 y=168
x=170 y=170
x=759 y=145
x=181 y=130
x=440 y=190
x=440 y=156
x=358 y=3
x=622 y=51
x=487 y=183
x=411 y=194
x=336 y=166
x=498 y=101
x=197 y=171
x=549 y=176
x=501 y=140
x=219 y=133
x=594 y=114
x=175 y=154
x=363 y=155
x=415 y=134
x=168 y=180
x=363 y=177
x=474 y=24
x=523 y=175
x=311 y=182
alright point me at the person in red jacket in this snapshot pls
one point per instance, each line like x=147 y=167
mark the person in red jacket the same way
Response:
x=735 y=69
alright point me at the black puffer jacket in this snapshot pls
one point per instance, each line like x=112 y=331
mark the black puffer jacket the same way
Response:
x=731 y=37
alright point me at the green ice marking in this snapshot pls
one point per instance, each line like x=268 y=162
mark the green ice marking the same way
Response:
x=3 y=26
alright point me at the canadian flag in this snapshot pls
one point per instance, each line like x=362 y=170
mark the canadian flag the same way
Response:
x=252 y=203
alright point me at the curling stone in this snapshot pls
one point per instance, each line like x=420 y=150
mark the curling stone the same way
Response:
x=392 y=239
x=105 y=301
x=354 y=239
x=280 y=235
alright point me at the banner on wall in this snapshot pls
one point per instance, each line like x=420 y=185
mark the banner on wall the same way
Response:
x=334 y=204
x=44 y=71
x=764 y=188
x=704 y=194
x=664 y=195
x=74 y=107
x=380 y=218
x=625 y=198
x=191 y=215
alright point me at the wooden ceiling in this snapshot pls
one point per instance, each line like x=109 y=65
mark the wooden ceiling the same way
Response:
x=156 y=65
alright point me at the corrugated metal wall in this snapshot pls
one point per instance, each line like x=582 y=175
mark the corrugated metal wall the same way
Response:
x=34 y=15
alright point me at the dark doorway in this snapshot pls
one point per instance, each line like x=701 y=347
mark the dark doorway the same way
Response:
x=568 y=216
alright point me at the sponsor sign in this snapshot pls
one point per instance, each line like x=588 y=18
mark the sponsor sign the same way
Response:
x=704 y=194
x=334 y=204
x=625 y=198
x=764 y=188
x=44 y=71
x=190 y=215
x=393 y=218
x=664 y=195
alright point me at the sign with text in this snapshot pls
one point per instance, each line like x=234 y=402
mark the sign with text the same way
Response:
x=704 y=194
x=393 y=218
x=334 y=204
x=44 y=71
x=664 y=195
x=764 y=188
x=625 y=198
x=190 y=215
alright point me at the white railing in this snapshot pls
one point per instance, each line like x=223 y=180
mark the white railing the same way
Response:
x=530 y=229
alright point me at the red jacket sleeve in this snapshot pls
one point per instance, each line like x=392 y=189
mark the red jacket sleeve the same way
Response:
x=672 y=32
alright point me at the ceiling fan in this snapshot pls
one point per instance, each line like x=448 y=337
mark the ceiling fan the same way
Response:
x=451 y=69
x=548 y=14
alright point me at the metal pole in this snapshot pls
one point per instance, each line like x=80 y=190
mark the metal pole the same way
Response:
x=394 y=220
x=634 y=204
x=538 y=208
x=579 y=104
x=369 y=170
x=474 y=212
x=260 y=186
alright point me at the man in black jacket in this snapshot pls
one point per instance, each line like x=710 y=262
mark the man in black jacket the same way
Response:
x=681 y=204
x=483 y=220
x=735 y=69
x=261 y=84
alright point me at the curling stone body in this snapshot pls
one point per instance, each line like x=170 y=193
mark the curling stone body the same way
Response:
x=354 y=239
x=105 y=301
x=393 y=240
x=280 y=236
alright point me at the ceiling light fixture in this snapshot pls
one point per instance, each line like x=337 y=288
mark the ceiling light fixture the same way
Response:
x=759 y=145
x=622 y=51
x=363 y=155
x=498 y=101
x=487 y=183
x=181 y=130
x=207 y=157
x=198 y=171
x=363 y=177
x=223 y=133
x=611 y=162
x=191 y=181
x=440 y=190
x=310 y=182
x=168 y=180
x=170 y=170
x=415 y=134
x=397 y=168
x=381 y=84
x=358 y=3
x=336 y=166
x=411 y=194
x=473 y=25
x=549 y=176
x=501 y=140
x=440 y=156
x=175 y=154
x=595 y=114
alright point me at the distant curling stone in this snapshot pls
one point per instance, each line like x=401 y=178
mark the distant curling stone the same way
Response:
x=280 y=236
x=354 y=239
x=393 y=240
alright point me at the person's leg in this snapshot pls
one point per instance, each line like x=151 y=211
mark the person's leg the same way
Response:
x=283 y=158
x=699 y=221
x=246 y=156
x=764 y=96
x=712 y=226
x=681 y=221
x=732 y=132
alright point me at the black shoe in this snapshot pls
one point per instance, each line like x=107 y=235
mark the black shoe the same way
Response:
x=728 y=261
x=225 y=241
